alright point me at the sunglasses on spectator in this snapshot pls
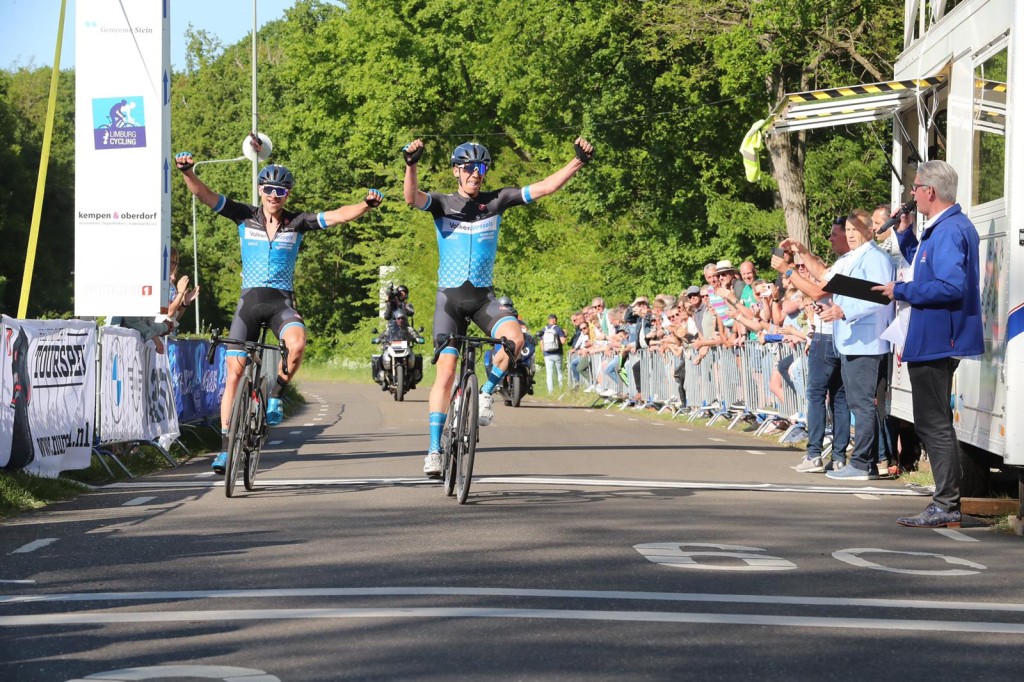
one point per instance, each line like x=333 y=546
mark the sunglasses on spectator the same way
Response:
x=477 y=166
x=274 y=191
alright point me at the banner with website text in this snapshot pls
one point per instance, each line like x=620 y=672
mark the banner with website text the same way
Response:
x=136 y=397
x=48 y=395
x=122 y=157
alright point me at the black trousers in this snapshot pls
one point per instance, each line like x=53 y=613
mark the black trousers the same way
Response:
x=931 y=383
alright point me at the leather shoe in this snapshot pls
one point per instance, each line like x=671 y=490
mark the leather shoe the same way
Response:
x=932 y=517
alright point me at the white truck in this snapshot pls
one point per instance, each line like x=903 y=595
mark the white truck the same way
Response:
x=950 y=99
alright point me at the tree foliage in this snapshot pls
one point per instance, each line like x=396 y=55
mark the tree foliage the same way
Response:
x=664 y=89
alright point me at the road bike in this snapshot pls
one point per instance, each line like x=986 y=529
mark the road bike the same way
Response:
x=461 y=430
x=248 y=425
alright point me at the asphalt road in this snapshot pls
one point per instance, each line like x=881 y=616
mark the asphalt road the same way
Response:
x=596 y=544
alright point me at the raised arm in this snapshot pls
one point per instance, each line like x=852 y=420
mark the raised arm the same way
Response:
x=205 y=195
x=413 y=196
x=557 y=180
x=344 y=214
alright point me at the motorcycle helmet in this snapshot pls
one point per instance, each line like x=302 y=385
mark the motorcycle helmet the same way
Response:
x=276 y=175
x=471 y=152
x=400 y=318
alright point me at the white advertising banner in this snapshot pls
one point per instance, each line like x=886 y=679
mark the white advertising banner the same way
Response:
x=123 y=163
x=48 y=395
x=161 y=417
x=135 y=389
x=122 y=385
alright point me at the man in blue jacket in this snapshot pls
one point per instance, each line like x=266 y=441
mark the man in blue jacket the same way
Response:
x=942 y=288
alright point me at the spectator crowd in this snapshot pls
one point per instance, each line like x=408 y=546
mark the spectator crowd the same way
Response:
x=742 y=310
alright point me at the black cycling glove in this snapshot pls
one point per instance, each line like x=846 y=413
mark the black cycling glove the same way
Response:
x=184 y=161
x=582 y=155
x=412 y=158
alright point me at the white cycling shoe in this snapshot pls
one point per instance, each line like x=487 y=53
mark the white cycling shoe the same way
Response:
x=485 y=413
x=432 y=464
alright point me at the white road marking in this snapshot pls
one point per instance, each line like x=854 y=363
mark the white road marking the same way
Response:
x=717 y=440
x=137 y=501
x=19 y=582
x=866 y=496
x=854 y=558
x=309 y=424
x=955 y=535
x=610 y=595
x=657 y=423
x=435 y=613
x=755 y=452
x=225 y=673
x=595 y=482
x=293 y=433
x=204 y=474
x=682 y=429
x=34 y=545
x=275 y=442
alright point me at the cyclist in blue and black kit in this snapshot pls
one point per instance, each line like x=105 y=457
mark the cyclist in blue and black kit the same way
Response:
x=270 y=239
x=467 y=223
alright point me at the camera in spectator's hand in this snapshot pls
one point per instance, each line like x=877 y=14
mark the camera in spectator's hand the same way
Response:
x=631 y=317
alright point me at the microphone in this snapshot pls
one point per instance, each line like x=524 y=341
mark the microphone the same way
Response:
x=904 y=210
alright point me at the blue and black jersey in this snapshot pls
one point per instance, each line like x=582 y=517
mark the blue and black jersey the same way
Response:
x=267 y=263
x=467 y=233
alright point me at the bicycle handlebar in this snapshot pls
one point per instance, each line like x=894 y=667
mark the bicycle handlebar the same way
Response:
x=250 y=348
x=476 y=341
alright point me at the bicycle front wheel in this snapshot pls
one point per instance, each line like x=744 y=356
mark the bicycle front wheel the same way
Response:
x=468 y=415
x=239 y=427
x=257 y=420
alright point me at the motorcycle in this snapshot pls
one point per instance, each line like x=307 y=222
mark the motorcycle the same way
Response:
x=397 y=368
x=518 y=380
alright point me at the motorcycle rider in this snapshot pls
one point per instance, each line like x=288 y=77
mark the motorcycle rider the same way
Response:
x=398 y=329
x=398 y=299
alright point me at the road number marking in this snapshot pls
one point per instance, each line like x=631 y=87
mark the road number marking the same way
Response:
x=683 y=555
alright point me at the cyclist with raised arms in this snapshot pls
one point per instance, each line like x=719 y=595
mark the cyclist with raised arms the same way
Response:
x=467 y=223
x=270 y=239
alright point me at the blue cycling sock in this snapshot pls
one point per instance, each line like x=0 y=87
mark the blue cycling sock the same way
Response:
x=437 y=420
x=493 y=379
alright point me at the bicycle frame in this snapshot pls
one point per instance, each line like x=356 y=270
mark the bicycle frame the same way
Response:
x=248 y=421
x=460 y=436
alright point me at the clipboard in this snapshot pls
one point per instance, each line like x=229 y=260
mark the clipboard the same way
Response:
x=855 y=288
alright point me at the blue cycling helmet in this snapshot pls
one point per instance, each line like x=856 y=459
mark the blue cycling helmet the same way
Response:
x=276 y=175
x=471 y=152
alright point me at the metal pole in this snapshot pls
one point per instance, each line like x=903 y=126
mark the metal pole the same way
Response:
x=195 y=243
x=195 y=261
x=255 y=120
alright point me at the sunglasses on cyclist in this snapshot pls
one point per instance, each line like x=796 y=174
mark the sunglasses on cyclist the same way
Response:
x=274 y=191
x=476 y=166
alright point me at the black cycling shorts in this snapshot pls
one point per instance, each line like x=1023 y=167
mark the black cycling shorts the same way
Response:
x=454 y=308
x=263 y=304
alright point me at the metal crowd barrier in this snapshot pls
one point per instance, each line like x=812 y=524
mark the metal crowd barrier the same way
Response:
x=733 y=384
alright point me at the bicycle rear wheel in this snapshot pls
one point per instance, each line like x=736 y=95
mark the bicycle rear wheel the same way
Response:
x=239 y=426
x=257 y=420
x=468 y=415
x=449 y=446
